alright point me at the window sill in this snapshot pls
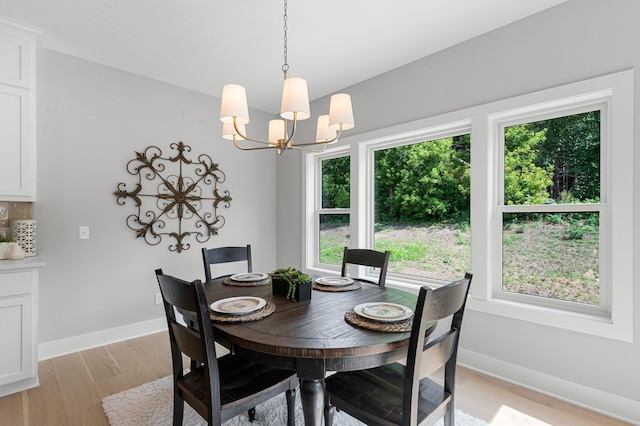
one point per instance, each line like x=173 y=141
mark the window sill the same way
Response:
x=617 y=329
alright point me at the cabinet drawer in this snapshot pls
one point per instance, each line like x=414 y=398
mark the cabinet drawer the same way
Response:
x=17 y=282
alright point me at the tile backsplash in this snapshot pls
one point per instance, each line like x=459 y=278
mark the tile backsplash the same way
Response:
x=13 y=210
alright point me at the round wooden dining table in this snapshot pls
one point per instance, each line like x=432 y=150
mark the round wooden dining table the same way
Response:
x=312 y=337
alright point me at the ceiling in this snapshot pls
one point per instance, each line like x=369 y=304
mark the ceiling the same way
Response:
x=202 y=45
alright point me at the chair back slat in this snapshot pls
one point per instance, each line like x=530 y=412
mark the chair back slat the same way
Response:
x=446 y=300
x=189 y=342
x=438 y=352
x=225 y=255
x=179 y=296
x=366 y=257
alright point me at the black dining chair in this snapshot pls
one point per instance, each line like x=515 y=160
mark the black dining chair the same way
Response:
x=219 y=388
x=395 y=394
x=215 y=256
x=366 y=257
x=225 y=255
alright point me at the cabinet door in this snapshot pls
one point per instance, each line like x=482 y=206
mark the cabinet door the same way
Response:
x=15 y=58
x=18 y=44
x=17 y=171
x=16 y=351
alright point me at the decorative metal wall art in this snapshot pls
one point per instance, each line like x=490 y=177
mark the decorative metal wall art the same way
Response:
x=177 y=204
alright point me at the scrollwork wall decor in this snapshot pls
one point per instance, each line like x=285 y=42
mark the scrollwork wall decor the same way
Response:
x=177 y=204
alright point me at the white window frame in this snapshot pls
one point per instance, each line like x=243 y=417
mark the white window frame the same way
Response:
x=370 y=148
x=314 y=209
x=616 y=91
x=598 y=101
x=616 y=247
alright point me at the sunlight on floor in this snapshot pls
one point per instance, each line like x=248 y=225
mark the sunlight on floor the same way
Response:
x=507 y=416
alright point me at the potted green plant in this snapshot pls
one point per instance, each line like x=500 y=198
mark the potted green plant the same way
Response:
x=292 y=283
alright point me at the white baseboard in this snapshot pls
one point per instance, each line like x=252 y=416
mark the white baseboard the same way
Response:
x=20 y=386
x=99 y=338
x=609 y=404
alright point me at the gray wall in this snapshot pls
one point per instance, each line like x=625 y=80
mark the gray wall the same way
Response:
x=576 y=40
x=91 y=120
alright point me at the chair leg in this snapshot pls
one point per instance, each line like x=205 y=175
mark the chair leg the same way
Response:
x=329 y=412
x=178 y=409
x=449 y=417
x=252 y=414
x=290 y=395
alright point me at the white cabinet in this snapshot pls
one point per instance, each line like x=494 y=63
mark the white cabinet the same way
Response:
x=19 y=330
x=18 y=44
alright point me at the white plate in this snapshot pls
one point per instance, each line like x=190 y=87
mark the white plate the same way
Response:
x=238 y=305
x=334 y=281
x=383 y=311
x=249 y=276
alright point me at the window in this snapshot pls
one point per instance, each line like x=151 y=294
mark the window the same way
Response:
x=544 y=218
x=334 y=212
x=550 y=205
x=422 y=207
x=582 y=232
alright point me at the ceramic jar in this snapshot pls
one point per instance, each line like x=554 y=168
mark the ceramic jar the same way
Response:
x=23 y=232
x=16 y=252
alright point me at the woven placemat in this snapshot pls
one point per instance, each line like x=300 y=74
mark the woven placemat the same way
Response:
x=353 y=286
x=403 y=326
x=263 y=312
x=234 y=283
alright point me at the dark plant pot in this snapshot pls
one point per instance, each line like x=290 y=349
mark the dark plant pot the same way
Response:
x=302 y=292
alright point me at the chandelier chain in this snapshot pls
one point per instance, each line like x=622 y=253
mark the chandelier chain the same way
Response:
x=285 y=66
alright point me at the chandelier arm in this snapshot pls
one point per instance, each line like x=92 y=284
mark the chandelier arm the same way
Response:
x=325 y=142
x=243 y=136
x=253 y=148
x=308 y=149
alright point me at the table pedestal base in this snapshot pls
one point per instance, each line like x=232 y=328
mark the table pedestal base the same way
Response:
x=312 y=395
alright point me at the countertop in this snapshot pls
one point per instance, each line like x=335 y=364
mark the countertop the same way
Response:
x=26 y=263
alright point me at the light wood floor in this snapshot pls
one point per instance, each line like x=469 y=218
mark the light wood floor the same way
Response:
x=72 y=387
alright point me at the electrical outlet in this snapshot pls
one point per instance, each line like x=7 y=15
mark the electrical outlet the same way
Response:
x=83 y=232
x=158 y=299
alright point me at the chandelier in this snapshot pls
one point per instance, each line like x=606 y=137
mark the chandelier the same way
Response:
x=234 y=114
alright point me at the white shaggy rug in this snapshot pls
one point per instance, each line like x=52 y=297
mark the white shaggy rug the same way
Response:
x=151 y=404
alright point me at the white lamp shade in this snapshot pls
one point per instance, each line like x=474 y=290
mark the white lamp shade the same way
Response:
x=234 y=104
x=340 y=112
x=276 y=130
x=229 y=131
x=295 y=98
x=323 y=132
